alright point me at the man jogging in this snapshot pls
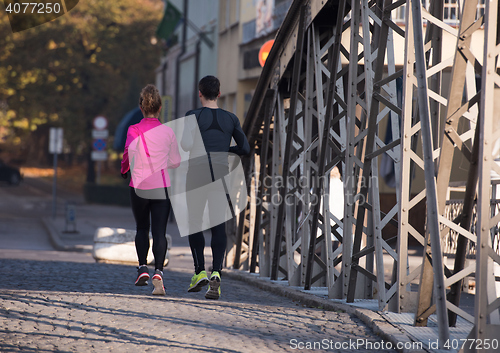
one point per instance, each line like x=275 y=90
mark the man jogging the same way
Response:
x=217 y=128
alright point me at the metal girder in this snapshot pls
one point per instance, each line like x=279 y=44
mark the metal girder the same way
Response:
x=430 y=182
x=261 y=226
x=331 y=88
x=284 y=189
x=487 y=299
x=368 y=196
x=418 y=68
x=449 y=141
x=316 y=114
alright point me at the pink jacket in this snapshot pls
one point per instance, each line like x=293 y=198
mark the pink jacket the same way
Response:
x=150 y=149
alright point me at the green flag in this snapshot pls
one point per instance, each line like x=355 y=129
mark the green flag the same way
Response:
x=170 y=21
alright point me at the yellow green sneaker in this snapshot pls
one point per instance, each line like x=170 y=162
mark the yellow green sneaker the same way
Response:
x=198 y=281
x=213 y=291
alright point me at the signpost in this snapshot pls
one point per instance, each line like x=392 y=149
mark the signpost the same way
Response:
x=99 y=136
x=55 y=147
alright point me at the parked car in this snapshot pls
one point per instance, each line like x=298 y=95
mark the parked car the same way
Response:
x=9 y=174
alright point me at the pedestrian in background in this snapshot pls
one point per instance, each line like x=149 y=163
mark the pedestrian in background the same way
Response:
x=150 y=149
x=217 y=127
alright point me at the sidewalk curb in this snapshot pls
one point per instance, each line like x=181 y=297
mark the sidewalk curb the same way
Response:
x=55 y=238
x=372 y=319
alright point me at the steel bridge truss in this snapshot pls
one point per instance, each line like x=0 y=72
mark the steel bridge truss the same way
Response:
x=327 y=93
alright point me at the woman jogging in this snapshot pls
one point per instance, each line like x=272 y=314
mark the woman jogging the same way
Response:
x=150 y=149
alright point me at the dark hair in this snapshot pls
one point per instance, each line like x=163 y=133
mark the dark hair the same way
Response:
x=209 y=87
x=150 y=100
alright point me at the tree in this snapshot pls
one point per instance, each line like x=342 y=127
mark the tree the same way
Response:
x=68 y=71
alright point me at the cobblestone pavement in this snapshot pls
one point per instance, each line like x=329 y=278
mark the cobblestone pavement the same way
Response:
x=65 y=306
x=53 y=301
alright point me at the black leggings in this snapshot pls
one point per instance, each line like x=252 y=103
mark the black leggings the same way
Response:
x=218 y=244
x=159 y=211
x=198 y=176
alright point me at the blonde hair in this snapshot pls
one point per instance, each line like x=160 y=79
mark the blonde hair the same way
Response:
x=150 y=100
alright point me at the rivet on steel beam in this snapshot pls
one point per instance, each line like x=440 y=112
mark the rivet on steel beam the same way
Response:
x=402 y=296
x=480 y=331
x=402 y=284
x=404 y=209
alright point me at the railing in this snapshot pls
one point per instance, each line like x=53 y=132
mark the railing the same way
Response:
x=449 y=241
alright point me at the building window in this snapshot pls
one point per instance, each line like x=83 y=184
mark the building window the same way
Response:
x=251 y=59
x=229 y=14
x=450 y=15
x=248 y=31
x=450 y=12
x=480 y=9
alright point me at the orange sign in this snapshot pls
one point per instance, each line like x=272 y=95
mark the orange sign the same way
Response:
x=264 y=51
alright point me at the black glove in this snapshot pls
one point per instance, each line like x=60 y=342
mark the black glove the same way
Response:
x=124 y=175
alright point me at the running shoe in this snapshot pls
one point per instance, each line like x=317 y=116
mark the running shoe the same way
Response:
x=213 y=291
x=198 y=281
x=142 y=276
x=159 y=289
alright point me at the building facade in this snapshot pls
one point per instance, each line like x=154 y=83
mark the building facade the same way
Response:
x=191 y=53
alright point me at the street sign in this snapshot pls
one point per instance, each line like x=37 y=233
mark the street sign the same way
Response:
x=99 y=155
x=99 y=145
x=100 y=123
x=55 y=140
x=100 y=134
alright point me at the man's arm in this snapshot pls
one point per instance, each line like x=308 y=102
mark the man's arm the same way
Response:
x=187 y=133
x=242 y=147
